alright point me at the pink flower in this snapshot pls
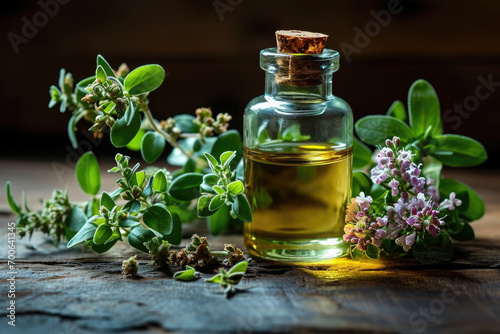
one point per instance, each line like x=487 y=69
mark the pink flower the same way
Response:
x=433 y=230
x=406 y=241
x=450 y=203
x=363 y=202
x=380 y=234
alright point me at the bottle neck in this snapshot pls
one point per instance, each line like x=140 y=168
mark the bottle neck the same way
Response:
x=298 y=88
x=298 y=81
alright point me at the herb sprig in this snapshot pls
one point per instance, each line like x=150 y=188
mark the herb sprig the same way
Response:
x=156 y=202
x=405 y=203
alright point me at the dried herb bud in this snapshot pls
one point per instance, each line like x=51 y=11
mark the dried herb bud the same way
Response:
x=130 y=267
x=136 y=191
x=122 y=71
x=196 y=240
x=113 y=90
x=103 y=210
x=121 y=183
x=208 y=132
x=110 y=121
x=127 y=195
x=90 y=98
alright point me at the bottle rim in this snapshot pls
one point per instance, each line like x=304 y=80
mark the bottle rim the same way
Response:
x=323 y=63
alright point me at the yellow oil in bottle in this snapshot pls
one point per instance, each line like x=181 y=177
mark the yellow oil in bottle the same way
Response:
x=298 y=194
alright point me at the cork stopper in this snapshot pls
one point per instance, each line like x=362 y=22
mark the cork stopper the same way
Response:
x=293 y=69
x=297 y=41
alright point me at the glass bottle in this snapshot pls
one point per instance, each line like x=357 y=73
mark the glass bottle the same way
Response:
x=298 y=159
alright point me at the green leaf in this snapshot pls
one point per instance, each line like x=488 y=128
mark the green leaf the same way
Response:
x=356 y=254
x=129 y=113
x=160 y=182
x=397 y=109
x=104 y=247
x=460 y=231
x=373 y=252
x=229 y=141
x=55 y=96
x=152 y=146
x=241 y=208
x=158 y=218
x=71 y=128
x=472 y=207
x=25 y=202
x=88 y=173
x=362 y=155
x=186 y=187
x=102 y=234
x=125 y=128
x=378 y=194
x=80 y=90
x=144 y=79
x=117 y=192
x=423 y=107
x=360 y=183
x=175 y=236
x=64 y=102
x=148 y=188
x=190 y=166
x=459 y=151
x=219 y=221
x=186 y=275
x=235 y=187
x=240 y=267
x=430 y=250
x=107 y=201
x=10 y=199
x=235 y=278
x=209 y=181
x=138 y=236
x=216 y=202
x=212 y=162
x=374 y=130
x=432 y=169
x=104 y=64
x=203 y=210
x=263 y=134
x=185 y=123
x=135 y=143
x=100 y=74
x=292 y=133
x=62 y=74
x=131 y=221
x=131 y=175
x=219 y=190
x=117 y=235
x=227 y=157
x=217 y=279
x=92 y=207
x=140 y=177
x=76 y=219
x=132 y=206
x=86 y=232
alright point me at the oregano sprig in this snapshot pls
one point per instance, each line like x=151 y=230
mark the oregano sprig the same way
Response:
x=405 y=204
x=229 y=279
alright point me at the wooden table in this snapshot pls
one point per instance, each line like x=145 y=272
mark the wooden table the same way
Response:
x=72 y=292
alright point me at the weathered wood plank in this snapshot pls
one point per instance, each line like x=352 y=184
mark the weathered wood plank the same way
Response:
x=67 y=291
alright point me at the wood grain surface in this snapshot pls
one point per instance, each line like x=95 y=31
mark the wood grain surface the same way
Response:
x=72 y=291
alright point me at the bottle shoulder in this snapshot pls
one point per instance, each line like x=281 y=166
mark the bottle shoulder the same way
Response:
x=264 y=104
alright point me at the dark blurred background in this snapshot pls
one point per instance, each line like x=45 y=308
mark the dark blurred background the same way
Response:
x=210 y=50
